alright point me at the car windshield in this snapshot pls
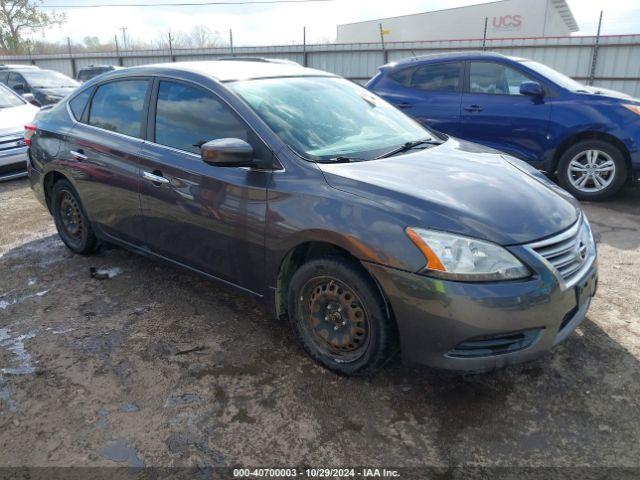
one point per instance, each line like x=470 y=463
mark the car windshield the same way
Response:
x=48 y=79
x=9 y=99
x=325 y=117
x=556 y=77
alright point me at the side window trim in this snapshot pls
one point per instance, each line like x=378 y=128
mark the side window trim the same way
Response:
x=145 y=106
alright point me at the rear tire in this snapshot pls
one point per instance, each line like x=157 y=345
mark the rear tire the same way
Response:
x=71 y=221
x=339 y=317
x=592 y=170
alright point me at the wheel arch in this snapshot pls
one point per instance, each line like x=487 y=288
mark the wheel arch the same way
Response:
x=50 y=179
x=308 y=250
x=591 y=135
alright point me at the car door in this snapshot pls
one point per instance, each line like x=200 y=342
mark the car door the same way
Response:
x=103 y=149
x=430 y=93
x=494 y=113
x=209 y=218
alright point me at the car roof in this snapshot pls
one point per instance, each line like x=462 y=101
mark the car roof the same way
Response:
x=225 y=71
x=18 y=67
x=467 y=55
x=90 y=67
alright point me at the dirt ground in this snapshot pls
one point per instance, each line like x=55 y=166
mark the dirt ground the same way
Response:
x=160 y=367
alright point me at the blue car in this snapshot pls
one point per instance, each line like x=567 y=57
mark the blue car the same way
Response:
x=589 y=137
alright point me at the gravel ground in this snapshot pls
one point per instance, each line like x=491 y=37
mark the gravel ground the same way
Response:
x=159 y=367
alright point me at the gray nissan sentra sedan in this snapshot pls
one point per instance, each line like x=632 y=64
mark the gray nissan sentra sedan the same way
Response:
x=365 y=230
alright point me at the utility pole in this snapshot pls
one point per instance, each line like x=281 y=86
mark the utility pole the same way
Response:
x=596 y=46
x=71 y=59
x=124 y=37
x=115 y=38
x=171 y=47
x=29 y=48
x=484 y=36
x=231 y=42
x=304 y=46
x=384 y=49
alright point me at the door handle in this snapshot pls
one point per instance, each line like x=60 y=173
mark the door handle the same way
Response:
x=404 y=105
x=78 y=155
x=473 y=108
x=154 y=178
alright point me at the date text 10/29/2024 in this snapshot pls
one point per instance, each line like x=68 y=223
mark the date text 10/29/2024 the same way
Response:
x=315 y=473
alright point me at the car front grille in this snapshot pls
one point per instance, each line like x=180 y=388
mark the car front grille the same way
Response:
x=12 y=141
x=569 y=253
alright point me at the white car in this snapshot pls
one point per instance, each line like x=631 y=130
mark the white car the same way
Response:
x=15 y=112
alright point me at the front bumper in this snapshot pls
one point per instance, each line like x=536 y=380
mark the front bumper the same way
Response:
x=13 y=163
x=439 y=321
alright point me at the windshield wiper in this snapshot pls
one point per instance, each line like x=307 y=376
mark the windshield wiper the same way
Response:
x=341 y=159
x=409 y=146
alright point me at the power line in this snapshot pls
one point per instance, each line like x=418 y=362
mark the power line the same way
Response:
x=183 y=4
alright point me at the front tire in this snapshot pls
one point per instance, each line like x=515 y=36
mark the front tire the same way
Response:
x=339 y=317
x=592 y=170
x=71 y=221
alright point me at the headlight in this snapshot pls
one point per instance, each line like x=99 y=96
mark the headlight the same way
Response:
x=634 y=108
x=456 y=257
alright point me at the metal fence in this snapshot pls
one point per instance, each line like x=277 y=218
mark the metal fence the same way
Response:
x=617 y=67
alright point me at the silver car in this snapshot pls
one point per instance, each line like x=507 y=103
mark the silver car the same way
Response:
x=15 y=112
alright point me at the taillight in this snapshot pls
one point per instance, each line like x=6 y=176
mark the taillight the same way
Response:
x=29 y=130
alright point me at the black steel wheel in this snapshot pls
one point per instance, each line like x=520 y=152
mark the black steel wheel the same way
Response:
x=71 y=221
x=339 y=317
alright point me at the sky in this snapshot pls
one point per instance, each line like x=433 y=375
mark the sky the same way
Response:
x=280 y=24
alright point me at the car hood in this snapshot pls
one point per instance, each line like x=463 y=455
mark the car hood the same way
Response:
x=605 y=92
x=463 y=188
x=13 y=119
x=60 y=92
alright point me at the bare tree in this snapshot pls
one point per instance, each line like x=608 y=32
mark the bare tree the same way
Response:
x=200 y=36
x=20 y=17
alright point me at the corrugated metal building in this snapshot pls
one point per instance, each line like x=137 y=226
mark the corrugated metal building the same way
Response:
x=506 y=18
x=618 y=61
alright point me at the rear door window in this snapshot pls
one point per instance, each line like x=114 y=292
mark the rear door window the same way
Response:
x=119 y=107
x=78 y=103
x=438 y=77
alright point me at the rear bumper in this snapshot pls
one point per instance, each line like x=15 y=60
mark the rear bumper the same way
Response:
x=13 y=163
x=442 y=323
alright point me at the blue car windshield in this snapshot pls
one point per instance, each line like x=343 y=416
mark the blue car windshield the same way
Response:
x=327 y=117
x=556 y=77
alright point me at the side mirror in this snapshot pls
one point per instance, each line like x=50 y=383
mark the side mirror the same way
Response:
x=19 y=87
x=227 y=152
x=532 y=89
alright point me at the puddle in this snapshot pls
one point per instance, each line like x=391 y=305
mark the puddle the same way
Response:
x=5 y=396
x=103 y=419
x=184 y=399
x=130 y=408
x=120 y=451
x=16 y=345
x=4 y=304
